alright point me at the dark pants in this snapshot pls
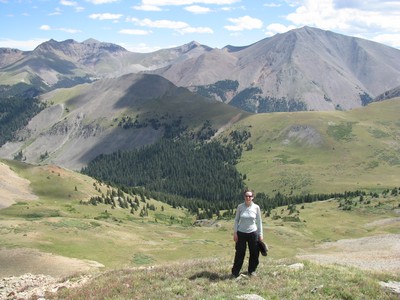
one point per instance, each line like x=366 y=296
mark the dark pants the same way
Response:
x=244 y=240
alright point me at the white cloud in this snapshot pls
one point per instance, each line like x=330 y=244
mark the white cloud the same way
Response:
x=134 y=31
x=56 y=12
x=275 y=28
x=68 y=3
x=374 y=20
x=45 y=27
x=244 y=23
x=21 y=45
x=320 y=14
x=155 y=5
x=187 y=2
x=101 y=1
x=196 y=30
x=73 y=4
x=105 y=16
x=372 y=5
x=69 y=30
x=147 y=8
x=198 y=9
x=178 y=26
x=272 y=5
x=141 y=47
x=391 y=39
x=159 y=23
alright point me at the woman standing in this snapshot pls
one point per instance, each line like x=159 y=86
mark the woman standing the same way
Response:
x=247 y=232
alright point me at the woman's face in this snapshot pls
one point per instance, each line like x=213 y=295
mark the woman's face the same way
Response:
x=248 y=197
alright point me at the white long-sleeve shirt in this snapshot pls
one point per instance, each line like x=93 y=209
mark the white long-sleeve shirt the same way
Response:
x=248 y=219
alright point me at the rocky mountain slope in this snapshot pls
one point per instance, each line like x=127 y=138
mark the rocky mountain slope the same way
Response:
x=393 y=93
x=112 y=114
x=324 y=70
x=303 y=69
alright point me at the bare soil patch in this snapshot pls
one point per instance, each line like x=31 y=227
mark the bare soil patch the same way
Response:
x=376 y=253
x=13 y=188
x=16 y=262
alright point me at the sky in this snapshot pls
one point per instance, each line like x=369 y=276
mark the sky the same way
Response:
x=150 y=25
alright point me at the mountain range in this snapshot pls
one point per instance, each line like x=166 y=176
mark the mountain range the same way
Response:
x=303 y=69
x=102 y=98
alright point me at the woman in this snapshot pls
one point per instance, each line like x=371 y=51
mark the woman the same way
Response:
x=247 y=232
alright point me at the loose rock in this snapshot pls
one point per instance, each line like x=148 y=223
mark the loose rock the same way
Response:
x=29 y=285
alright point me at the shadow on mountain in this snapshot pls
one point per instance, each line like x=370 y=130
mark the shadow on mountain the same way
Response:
x=144 y=87
x=120 y=139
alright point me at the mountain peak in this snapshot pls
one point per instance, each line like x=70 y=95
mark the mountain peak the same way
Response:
x=91 y=41
x=72 y=48
x=53 y=44
x=194 y=44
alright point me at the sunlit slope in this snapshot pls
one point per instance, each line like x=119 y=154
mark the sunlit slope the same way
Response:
x=322 y=152
x=57 y=222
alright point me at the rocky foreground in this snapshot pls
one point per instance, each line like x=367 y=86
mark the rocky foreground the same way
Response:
x=29 y=285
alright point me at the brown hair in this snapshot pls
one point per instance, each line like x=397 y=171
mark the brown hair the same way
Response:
x=247 y=190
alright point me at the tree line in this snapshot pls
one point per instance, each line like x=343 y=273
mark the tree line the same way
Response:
x=204 y=209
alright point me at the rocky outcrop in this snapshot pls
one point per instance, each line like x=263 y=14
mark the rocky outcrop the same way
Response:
x=30 y=285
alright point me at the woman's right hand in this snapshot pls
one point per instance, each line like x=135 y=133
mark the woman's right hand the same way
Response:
x=235 y=237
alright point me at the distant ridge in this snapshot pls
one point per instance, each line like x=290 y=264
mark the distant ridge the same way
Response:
x=302 y=69
x=325 y=70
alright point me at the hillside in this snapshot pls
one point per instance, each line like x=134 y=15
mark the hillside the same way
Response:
x=128 y=255
x=113 y=114
x=290 y=153
x=53 y=215
x=321 y=152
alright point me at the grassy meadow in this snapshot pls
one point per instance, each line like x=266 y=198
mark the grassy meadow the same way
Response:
x=58 y=223
x=208 y=279
x=163 y=256
x=323 y=152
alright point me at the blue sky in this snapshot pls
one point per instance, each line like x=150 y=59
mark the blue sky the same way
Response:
x=149 y=25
